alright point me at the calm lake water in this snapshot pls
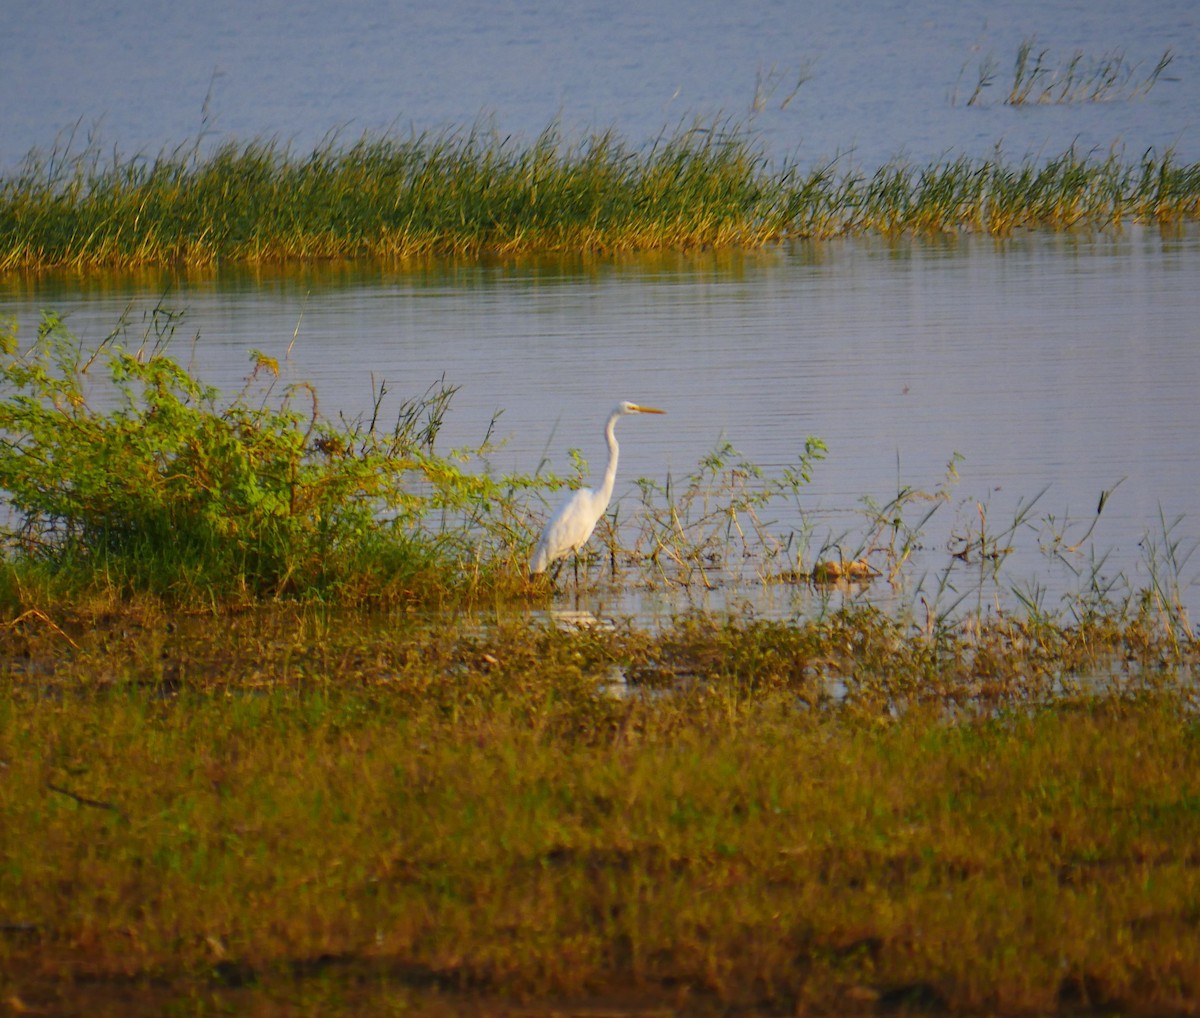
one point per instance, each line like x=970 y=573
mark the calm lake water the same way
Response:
x=1063 y=364
x=880 y=78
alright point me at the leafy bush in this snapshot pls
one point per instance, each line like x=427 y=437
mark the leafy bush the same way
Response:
x=122 y=467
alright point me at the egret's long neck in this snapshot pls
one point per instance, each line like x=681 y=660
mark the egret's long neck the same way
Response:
x=610 y=472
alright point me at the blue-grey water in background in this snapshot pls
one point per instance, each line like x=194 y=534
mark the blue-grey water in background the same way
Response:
x=1063 y=363
x=880 y=79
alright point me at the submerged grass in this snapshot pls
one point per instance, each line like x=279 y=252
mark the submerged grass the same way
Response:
x=473 y=193
x=462 y=809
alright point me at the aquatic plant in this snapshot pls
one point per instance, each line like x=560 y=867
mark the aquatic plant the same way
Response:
x=1036 y=80
x=449 y=194
x=695 y=525
x=125 y=476
x=470 y=194
x=1166 y=558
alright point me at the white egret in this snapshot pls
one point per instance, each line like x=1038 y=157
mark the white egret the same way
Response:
x=568 y=529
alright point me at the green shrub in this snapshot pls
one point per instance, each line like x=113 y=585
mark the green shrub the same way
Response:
x=125 y=471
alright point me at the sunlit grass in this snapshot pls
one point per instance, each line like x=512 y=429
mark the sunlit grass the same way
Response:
x=473 y=193
x=463 y=808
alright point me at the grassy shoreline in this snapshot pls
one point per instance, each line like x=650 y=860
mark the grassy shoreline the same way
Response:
x=314 y=802
x=471 y=195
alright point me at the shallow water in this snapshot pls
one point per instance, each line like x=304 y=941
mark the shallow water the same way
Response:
x=1059 y=365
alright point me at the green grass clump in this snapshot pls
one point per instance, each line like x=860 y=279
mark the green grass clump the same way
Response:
x=471 y=194
x=451 y=194
x=318 y=793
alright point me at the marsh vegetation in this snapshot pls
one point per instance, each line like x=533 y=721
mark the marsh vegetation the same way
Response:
x=129 y=476
x=321 y=807
x=283 y=722
x=472 y=193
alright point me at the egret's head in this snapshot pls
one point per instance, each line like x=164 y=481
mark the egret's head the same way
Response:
x=625 y=407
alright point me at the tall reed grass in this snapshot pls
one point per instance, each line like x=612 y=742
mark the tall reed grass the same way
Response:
x=472 y=193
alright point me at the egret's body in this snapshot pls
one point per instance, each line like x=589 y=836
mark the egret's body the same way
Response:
x=568 y=529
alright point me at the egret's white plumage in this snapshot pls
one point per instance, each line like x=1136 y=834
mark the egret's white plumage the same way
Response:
x=568 y=529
